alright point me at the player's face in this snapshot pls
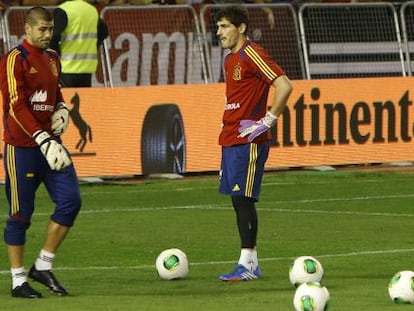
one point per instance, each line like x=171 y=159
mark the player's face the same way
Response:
x=40 y=34
x=231 y=37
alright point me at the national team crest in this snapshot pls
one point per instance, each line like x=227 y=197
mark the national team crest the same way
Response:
x=53 y=68
x=237 y=72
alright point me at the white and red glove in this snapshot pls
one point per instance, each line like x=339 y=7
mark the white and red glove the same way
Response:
x=256 y=128
x=60 y=119
x=56 y=155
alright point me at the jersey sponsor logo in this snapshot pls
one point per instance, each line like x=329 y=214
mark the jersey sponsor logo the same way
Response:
x=38 y=100
x=237 y=72
x=41 y=107
x=39 y=96
x=232 y=106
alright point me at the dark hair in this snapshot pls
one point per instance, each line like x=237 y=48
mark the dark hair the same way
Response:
x=38 y=13
x=235 y=14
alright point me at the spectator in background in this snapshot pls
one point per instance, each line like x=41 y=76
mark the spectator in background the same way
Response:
x=78 y=33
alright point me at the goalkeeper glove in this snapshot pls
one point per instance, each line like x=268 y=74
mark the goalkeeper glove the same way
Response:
x=60 y=119
x=56 y=155
x=256 y=128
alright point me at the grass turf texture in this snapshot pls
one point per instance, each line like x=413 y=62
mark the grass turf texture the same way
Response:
x=358 y=224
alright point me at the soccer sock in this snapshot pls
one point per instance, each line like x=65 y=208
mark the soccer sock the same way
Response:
x=246 y=220
x=18 y=276
x=246 y=258
x=44 y=261
x=255 y=260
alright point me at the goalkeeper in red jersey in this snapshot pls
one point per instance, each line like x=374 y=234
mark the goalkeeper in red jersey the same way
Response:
x=245 y=136
x=34 y=117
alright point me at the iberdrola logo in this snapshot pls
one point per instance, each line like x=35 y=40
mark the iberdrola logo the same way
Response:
x=39 y=96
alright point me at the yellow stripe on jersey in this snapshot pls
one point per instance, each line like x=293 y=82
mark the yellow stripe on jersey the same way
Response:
x=258 y=60
x=11 y=170
x=251 y=171
x=12 y=82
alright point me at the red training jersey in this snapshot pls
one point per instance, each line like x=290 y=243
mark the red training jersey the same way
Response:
x=249 y=74
x=29 y=82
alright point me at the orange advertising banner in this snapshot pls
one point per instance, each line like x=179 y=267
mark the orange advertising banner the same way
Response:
x=174 y=128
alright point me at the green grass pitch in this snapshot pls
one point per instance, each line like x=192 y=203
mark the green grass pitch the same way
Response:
x=358 y=224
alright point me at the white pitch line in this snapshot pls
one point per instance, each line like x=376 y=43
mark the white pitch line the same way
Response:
x=264 y=184
x=301 y=182
x=223 y=207
x=375 y=197
x=141 y=267
x=335 y=212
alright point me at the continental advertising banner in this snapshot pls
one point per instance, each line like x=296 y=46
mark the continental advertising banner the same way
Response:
x=175 y=128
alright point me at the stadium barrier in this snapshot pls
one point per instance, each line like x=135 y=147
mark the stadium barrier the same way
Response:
x=175 y=128
x=351 y=40
x=317 y=41
x=407 y=25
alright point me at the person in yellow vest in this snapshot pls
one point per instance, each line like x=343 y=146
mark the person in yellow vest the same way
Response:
x=77 y=35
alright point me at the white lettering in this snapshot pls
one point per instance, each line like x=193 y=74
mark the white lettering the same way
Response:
x=128 y=60
x=38 y=100
x=232 y=106
x=42 y=107
x=164 y=45
x=135 y=66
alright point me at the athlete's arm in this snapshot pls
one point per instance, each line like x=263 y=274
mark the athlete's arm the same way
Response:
x=253 y=129
x=19 y=109
x=283 y=89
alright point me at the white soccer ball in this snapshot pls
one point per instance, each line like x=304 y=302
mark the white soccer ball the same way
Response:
x=172 y=264
x=305 y=269
x=311 y=296
x=401 y=287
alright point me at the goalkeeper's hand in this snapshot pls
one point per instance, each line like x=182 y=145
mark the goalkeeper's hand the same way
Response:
x=60 y=119
x=56 y=155
x=256 y=128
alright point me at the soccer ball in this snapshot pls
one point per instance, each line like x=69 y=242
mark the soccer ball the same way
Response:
x=401 y=287
x=305 y=269
x=172 y=264
x=311 y=296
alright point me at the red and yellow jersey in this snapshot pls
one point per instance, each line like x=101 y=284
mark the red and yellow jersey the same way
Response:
x=29 y=82
x=249 y=74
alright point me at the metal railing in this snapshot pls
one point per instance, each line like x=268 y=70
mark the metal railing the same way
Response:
x=156 y=45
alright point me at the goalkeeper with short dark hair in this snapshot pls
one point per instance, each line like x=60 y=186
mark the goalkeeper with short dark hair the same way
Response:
x=245 y=137
x=34 y=117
